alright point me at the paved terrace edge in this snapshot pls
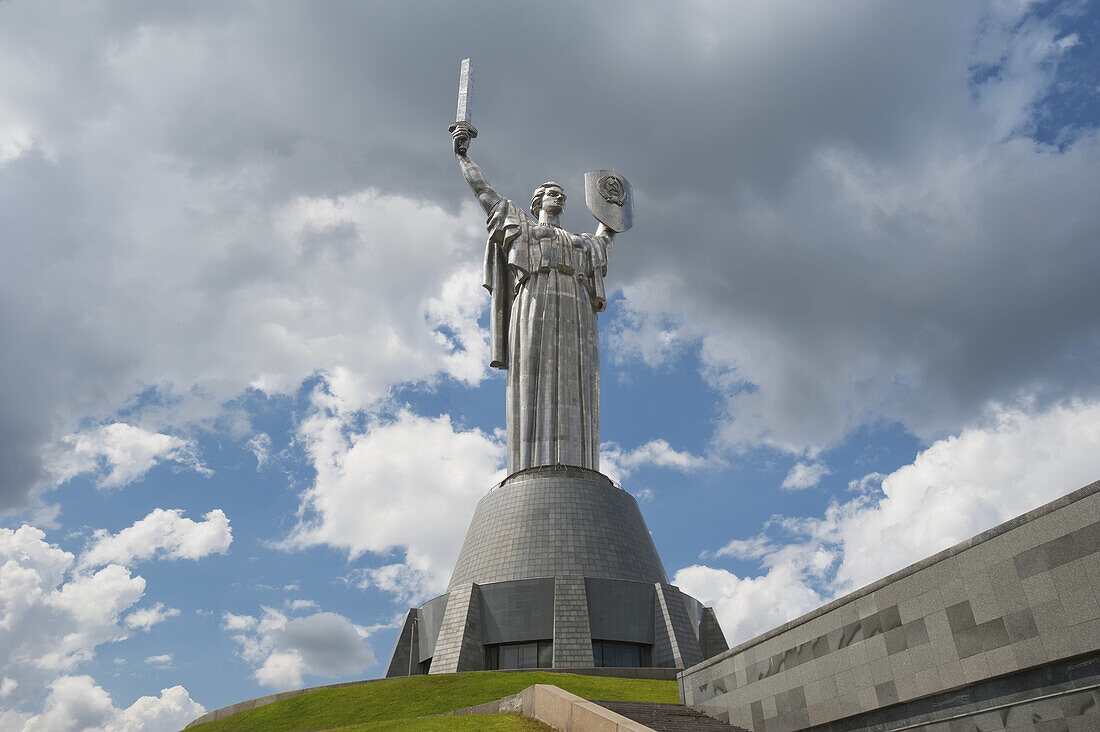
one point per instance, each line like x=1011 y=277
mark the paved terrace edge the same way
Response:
x=559 y=709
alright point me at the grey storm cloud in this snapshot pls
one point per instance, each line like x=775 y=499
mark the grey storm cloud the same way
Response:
x=848 y=224
x=327 y=642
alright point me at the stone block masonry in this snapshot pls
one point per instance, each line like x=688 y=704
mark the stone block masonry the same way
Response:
x=458 y=647
x=999 y=631
x=675 y=642
x=572 y=633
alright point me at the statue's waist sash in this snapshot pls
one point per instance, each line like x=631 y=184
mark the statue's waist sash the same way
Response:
x=521 y=276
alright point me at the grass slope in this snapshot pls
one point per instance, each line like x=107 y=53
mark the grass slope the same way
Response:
x=393 y=700
x=475 y=723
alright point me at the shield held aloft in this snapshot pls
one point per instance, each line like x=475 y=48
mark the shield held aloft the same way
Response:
x=609 y=199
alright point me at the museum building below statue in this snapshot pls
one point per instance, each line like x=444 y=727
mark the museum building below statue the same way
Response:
x=558 y=570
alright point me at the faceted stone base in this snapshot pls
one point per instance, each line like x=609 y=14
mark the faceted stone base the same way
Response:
x=556 y=555
x=457 y=631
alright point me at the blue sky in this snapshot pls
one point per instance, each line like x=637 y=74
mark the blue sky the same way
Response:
x=245 y=409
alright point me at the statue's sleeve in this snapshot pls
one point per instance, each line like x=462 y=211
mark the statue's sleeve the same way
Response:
x=504 y=226
x=597 y=255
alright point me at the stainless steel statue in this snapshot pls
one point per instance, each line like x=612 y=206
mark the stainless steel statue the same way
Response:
x=546 y=286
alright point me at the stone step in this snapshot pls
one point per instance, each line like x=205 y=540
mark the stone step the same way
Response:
x=668 y=717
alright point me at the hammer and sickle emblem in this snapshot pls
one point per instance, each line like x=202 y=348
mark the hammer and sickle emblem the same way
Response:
x=612 y=189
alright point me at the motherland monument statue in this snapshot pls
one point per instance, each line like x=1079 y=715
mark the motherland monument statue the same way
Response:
x=547 y=287
x=558 y=569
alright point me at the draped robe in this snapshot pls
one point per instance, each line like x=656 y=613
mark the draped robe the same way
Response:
x=547 y=286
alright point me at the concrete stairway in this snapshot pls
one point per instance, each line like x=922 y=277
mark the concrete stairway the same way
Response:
x=668 y=717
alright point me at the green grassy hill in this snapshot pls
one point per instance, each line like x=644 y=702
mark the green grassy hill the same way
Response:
x=398 y=704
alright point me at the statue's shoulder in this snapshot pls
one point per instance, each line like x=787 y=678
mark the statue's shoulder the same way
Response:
x=508 y=220
x=507 y=209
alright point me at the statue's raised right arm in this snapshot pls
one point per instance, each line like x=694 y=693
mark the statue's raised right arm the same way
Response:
x=461 y=135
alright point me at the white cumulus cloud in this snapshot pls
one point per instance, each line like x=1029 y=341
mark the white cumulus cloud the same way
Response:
x=747 y=606
x=956 y=488
x=618 y=463
x=281 y=671
x=118 y=454
x=52 y=620
x=283 y=650
x=146 y=617
x=805 y=475
x=299 y=604
x=232 y=621
x=164 y=533
x=963 y=485
x=78 y=703
x=260 y=445
x=407 y=483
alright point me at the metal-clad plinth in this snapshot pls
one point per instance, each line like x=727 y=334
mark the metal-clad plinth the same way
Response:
x=556 y=553
x=554 y=521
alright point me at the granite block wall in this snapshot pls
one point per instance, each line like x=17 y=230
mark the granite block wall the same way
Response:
x=675 y=640
x=1002 y=627
x=459 y=646
x=572 y=635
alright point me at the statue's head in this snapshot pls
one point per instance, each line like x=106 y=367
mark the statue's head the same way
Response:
x=549 y=196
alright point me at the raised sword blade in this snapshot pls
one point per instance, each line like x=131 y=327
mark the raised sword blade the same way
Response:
x=463 y=113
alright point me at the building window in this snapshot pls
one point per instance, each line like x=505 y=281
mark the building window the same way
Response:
x=607 y=654
x=537 y=654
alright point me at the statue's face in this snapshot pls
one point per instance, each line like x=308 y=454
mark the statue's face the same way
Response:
x=553 y=200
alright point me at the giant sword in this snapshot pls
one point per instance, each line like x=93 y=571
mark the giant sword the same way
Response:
x=462 y=116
